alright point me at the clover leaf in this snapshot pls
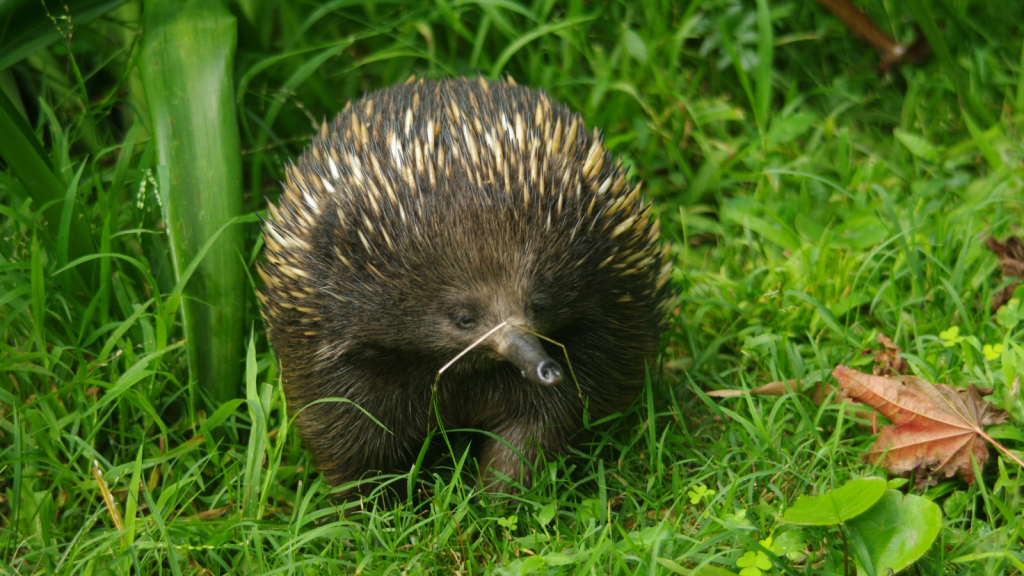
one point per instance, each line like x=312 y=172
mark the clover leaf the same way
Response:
x=951 y=337
x=992 y=351
x=699 y=491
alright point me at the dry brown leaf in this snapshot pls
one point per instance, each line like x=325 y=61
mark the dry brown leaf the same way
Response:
x=936 y=429
x=213 y=513
x=778 y=388
x=661 y=514
x=817 y=393
x=724 y=393
x=887 y=360
x=108 y=498
x=1011 y=258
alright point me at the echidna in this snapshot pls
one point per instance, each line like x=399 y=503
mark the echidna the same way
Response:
x=425 y=216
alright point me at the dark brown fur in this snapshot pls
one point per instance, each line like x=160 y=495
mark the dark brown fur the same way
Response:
x=423 y=216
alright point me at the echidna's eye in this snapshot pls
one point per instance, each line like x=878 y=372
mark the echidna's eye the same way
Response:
x=464 y=321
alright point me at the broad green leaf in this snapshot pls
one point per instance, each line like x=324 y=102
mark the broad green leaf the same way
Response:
x=673 y=567
x=917 y=145
x=546 y=514
x=187 y=62
x=896 y=531
x=790 y=544
x=257 y=447
x=835 y=506
x=635 y=45
x=557 y=559
x=788 y=128
x=525 y=565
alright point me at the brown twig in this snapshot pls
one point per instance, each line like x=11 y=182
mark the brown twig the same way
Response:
x=890 y=52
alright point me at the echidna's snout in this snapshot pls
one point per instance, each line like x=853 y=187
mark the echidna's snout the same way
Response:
x=524 y=351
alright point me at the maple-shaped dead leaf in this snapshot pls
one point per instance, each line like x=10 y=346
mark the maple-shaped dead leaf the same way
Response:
x=1011 y=259
x=936 y=429
x=887 y=360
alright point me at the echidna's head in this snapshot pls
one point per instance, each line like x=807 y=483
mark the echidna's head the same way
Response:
x=432 y=218
x=482 y=281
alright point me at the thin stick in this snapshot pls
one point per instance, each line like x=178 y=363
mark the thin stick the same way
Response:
x=1000 y=447
x=467 y=349
x=890 y=52
x=437 y=380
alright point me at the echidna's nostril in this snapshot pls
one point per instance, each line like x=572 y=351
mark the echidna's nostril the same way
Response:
x=549 y=373
x=525 y=352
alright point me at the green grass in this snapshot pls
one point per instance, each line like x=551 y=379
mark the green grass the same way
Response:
x=811 y=203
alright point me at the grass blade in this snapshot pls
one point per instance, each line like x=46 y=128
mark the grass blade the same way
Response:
x=512 y=48
x=922 y=12
x=256 y=450
x=765 y=54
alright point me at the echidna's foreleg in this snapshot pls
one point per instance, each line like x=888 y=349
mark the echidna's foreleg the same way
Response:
x=352 y=447
x=514 y=456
